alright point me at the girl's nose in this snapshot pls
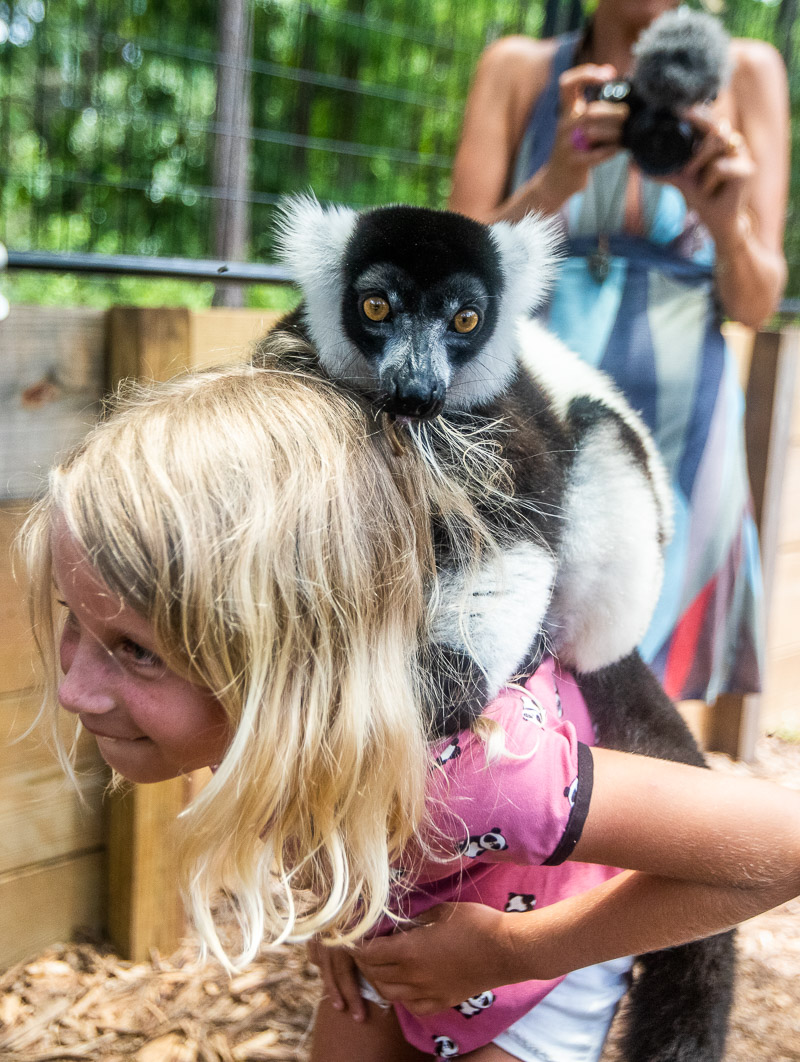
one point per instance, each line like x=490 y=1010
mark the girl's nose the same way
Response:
x=85 y=687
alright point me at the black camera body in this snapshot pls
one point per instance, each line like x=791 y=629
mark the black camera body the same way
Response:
x=682 y=59
x=659 y=140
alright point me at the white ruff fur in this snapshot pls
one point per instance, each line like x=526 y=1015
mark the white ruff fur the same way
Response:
x=617 y=516
x=311 y=242
x=564 y=377
x=496 y=615
x=610 y=563
x=528 y=260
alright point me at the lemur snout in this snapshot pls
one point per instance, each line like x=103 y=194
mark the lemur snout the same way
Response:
x=416 y=401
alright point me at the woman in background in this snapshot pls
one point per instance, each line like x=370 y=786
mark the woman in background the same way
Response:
x=652 y=267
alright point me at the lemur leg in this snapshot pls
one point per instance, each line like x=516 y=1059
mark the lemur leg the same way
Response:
x=483 y=628
x=681 y=998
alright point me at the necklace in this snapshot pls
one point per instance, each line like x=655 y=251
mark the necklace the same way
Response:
x=599 y=261
x=604 y=217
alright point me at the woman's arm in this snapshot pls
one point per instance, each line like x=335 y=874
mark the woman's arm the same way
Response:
x=511 y=75
x=707 y=851
x=738 y=184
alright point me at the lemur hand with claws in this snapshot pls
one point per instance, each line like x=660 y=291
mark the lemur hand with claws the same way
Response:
x=427 y=315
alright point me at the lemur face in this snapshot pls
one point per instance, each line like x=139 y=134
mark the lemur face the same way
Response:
x=415 y=308
x=421 y=298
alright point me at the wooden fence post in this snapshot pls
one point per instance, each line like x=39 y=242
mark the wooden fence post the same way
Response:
x=144 y=905
x=733 y=724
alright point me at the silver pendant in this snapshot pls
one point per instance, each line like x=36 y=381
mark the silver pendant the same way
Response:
x=599 y=261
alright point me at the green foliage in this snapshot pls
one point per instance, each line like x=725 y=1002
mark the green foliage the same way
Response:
x=107 y=117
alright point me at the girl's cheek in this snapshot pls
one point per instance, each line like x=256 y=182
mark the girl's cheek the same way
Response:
x=66 y=649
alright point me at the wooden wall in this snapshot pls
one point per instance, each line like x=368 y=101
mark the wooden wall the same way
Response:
x=780 y=709
x=52 y=869
x=64 y=865
x=55 y=871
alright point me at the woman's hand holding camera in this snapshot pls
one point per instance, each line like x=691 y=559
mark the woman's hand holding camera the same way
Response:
x=715 y=182
x=587 y=133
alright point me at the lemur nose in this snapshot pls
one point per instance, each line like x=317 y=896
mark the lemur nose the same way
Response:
x=417 y=403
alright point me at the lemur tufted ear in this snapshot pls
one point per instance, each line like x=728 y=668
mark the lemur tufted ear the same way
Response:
x=311 y=239
x=529 y=253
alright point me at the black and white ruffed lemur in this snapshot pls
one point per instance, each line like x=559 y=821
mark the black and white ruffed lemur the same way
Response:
x=426 y=316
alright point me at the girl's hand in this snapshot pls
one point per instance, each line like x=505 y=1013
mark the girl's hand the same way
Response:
x=459 y=951
x=586 y=134
x=339 y=974
x=716 y=181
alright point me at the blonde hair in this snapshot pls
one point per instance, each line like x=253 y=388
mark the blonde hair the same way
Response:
x=280 y=547
x=257 y=520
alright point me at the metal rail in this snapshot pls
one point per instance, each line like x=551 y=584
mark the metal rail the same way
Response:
x=188 y=269
x=143 y=266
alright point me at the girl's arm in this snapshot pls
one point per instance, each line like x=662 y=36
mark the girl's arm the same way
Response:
x=739 y=185
x=707 y=851
x=511 y=75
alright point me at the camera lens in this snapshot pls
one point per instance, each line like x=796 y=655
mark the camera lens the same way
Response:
x=659 y=142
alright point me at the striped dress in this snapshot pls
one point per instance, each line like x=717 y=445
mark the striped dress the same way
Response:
x=652 y=323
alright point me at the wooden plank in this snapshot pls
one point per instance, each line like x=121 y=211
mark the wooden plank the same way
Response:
x=147 y=344
x=51 y=380
x=48 y=903
x=789 y=527
x=734 y=724
x=740 y=340
x=222 y=337
x=145 y=908
x=781 y=704
x=16 y=642
x=42 y=817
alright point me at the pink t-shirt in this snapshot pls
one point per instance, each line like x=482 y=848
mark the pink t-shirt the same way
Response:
x=503 y=831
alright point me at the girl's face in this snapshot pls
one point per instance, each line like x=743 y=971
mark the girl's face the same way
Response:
x=149 y=722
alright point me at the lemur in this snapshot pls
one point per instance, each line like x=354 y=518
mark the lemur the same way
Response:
x=426 y=316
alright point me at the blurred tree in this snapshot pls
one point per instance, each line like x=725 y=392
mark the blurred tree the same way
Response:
x=120 y=120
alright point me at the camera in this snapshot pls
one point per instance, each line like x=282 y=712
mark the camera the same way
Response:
x=659 y=140
x=682 y=59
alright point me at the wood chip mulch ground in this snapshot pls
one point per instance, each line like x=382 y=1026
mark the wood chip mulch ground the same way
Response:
x=80 y=1001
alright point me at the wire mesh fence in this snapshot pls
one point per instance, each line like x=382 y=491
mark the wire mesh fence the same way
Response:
x=110 y=110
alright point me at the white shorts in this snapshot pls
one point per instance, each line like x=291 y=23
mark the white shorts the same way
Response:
x=571 y=1023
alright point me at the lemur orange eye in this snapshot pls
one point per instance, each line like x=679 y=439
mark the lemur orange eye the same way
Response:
x=376 y=308
x=466 y=321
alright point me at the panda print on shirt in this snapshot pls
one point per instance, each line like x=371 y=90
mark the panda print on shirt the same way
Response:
x=532 y=711
x=520 y=901
x=445 y=1047
x=492 y=841
x=451 y=752
x=571 y=792
x=475 y=1004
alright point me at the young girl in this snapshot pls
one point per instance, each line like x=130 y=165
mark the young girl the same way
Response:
x=244 y=569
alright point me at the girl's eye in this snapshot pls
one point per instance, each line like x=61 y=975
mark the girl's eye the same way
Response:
x=139 y=655
x=69 y=619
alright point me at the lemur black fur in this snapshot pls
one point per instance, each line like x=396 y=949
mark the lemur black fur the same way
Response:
x=582 y=534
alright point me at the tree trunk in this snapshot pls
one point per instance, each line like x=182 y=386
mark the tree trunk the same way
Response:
x=231 y=214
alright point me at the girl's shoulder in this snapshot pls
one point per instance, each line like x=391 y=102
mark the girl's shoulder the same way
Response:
x=516 y=788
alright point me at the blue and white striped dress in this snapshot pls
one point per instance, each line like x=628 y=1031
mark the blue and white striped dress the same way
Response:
x=653 y=325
